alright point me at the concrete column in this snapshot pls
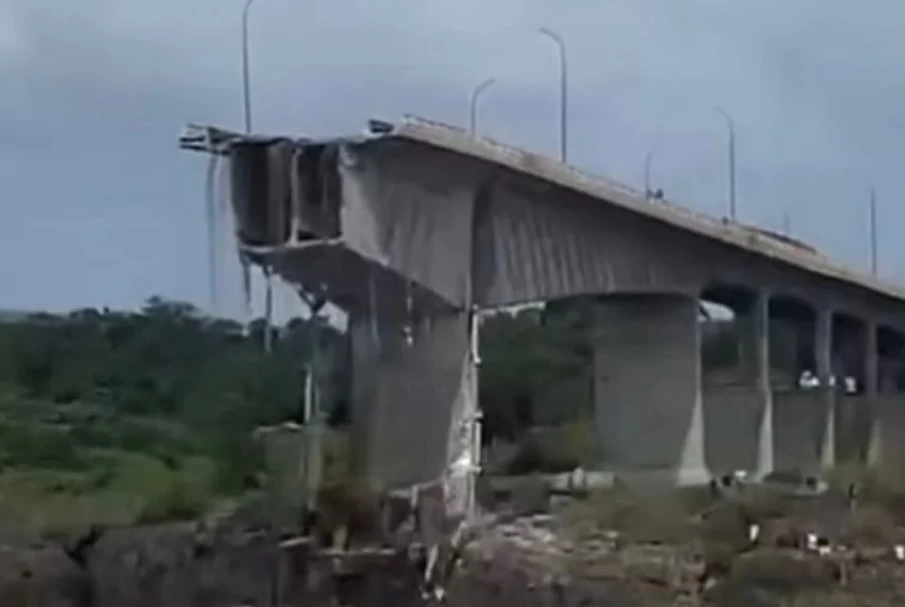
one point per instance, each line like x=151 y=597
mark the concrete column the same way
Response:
x=409 y=397
x=760 y=313
x=872 y=393
x=648 y=388
x=734 y=405
x=871 y=361
x=784 y=338
x=823 y=350
x=747 y=330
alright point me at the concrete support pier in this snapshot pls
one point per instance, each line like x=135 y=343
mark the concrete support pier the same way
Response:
x=871 y=399
x=413 y=388
x=887 y=439
x=804 y=428
x=738 y=415
x=760 y=314
x=647 y=371
x=886 y=447
x=823 y=350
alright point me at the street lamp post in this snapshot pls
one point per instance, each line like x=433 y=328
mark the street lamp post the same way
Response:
x=563 y=92
x=872 y=217
x=246 y=89
x=475 y=97
x=647 y=162
x=246 y=107
x=731 y=125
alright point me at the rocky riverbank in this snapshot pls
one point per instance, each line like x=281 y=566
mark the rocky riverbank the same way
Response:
x=610 y=553
x=168 y=565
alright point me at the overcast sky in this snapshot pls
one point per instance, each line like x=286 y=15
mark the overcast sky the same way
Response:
x=99 y=207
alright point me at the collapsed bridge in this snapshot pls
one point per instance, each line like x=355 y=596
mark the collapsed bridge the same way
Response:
x=412 y=227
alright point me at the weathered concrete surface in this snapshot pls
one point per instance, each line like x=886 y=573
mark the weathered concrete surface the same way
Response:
x=732 y=416
x=887 y=438
x=408 y=394
x=799 y=421
x=648 y=378
x=853 y=426
x=606 y=239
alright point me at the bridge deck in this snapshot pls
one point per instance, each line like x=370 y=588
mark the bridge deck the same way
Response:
x=456 y=140
x=753 y=240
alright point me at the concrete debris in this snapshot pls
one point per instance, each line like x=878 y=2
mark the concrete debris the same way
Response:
x=537 y=552
x=541 y=559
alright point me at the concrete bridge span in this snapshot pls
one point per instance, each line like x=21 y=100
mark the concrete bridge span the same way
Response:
x=415 y=225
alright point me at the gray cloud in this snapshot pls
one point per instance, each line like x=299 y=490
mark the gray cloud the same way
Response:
x=95 y=92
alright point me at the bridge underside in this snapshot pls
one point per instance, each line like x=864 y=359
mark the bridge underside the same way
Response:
x=409 y=238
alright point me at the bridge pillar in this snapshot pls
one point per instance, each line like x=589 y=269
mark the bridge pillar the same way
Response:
x=823 y=351
x=886 y=446
x=647 y=369
x=760 y=314
x=413 y=398
x=872 y=387
x=871 y=361
x=738 y=414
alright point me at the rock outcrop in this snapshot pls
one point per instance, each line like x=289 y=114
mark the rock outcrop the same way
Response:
x=505 y=561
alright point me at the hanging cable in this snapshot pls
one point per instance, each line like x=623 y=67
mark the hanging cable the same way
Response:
x=211 y=219
x=295 y=197
x=474 y=415
x=219 y=206
x=245 y=271
x=226 y=206
x=268 y=308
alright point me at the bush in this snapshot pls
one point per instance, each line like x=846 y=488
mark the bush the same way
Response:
x=49 y=501
x=38 y=446
x=179 y=494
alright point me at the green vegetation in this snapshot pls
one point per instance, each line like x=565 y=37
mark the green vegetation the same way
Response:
x=536 y=391
x=124 y=417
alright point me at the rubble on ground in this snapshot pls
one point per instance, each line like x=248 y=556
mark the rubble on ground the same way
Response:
x=613 y=552
x=736 y=552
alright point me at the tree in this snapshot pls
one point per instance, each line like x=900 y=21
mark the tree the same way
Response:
x=166 y=362
x=532 y=372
